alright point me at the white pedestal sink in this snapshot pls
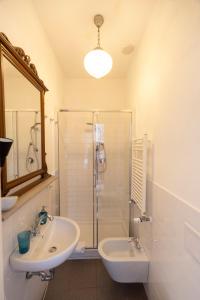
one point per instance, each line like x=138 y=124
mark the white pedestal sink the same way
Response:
x=54 y=244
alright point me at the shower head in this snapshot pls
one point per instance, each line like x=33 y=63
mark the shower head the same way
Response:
x=90 y=124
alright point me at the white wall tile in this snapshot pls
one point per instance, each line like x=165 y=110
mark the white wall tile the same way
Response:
x=21 y=220
x=174 y=254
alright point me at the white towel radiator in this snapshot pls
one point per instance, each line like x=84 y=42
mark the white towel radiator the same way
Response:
x=139 y=172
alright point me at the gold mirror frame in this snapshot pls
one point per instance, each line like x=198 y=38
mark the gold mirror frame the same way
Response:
x=22 y=62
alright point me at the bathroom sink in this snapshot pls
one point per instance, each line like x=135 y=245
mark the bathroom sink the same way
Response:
x=54 y=244
x=8 y=202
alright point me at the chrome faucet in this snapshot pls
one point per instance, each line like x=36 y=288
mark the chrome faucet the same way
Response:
x=50 y=217
x=35 y=230
x=136 y=241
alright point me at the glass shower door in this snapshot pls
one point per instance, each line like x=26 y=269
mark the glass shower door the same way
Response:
x=76 y=171
x=112 y=188
x=94 y=157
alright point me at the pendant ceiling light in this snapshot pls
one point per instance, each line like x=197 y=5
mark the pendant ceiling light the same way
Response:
x=98 y=62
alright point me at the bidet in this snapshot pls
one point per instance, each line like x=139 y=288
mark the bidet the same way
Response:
x=124 y=261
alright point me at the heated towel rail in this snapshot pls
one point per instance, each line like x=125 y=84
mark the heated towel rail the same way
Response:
x=139 y=172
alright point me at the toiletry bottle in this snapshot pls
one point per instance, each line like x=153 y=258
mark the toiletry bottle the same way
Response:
x=43 y=215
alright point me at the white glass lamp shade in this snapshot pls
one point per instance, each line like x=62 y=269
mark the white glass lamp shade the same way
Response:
x=98 y=63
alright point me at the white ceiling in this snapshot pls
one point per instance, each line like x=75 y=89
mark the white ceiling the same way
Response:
x=71 y=32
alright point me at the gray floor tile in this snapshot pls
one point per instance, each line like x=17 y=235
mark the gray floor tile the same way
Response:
x=82 y=294
x=82 y=274
x=89 y=280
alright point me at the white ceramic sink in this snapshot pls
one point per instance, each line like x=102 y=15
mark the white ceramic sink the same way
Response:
x=54 y=244
x=8 y=202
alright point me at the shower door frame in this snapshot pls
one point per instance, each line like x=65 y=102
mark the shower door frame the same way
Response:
x=95 y=197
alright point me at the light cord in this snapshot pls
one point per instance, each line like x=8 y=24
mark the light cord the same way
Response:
x=98 y=38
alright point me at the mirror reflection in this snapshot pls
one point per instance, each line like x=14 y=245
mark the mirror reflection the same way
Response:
x=22 y=121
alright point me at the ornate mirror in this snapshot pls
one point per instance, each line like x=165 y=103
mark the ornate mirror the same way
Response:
x=21 y=119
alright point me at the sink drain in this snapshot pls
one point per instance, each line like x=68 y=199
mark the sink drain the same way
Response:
x=52 y=249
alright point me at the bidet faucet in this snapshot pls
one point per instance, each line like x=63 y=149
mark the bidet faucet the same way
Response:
x=136 y=241
x=142 y=219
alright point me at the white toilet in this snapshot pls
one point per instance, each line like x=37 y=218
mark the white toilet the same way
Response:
x=123 y=261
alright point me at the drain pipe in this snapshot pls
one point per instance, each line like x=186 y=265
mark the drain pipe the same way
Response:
x=44 y=275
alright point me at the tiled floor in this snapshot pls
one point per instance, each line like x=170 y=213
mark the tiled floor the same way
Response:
x=88 y=280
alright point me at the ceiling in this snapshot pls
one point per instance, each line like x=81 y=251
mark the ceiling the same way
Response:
x=71 y=32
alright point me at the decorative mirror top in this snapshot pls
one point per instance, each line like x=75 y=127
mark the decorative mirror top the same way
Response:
x=26 y=58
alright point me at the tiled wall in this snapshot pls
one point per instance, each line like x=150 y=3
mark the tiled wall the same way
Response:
x=16 y=285
x=172 y=243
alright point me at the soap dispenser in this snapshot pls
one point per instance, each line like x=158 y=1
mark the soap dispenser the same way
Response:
x=43 y=215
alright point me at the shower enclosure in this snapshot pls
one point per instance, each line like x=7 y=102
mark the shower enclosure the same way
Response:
x=95 y=159
x=24 y=127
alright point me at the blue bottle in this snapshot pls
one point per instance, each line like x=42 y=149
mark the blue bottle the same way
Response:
x=43 y=216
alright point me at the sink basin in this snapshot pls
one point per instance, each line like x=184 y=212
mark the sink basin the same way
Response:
x=8 y=202
x=54 y=244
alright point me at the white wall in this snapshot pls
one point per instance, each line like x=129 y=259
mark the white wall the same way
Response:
x=164 y=90
x=20 y=23
x=105 y=93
